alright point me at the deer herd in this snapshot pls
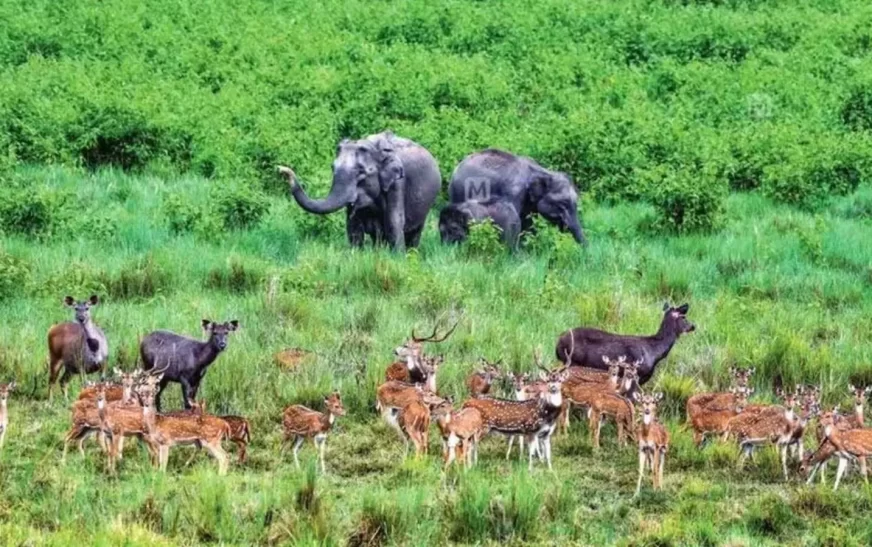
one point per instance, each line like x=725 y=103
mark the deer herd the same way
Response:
x=600 y=374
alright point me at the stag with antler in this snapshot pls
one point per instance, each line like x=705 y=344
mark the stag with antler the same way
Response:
x=411 y=367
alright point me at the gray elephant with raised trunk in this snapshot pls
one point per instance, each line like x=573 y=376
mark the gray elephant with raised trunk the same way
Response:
x=495 y=175
x=454 y=220
x=387 y=185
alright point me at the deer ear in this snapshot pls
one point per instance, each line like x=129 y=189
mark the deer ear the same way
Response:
x=751 y=370
x=69 y=300
x=11 y=386
x=636 y=396
x=207 y=325
x=666 y=306
x=868 y=390
x=684 y=308
x=733 y=370
x=606 y=360
x=750 y=391
x=94 y=300
x=117 y=371
x=658 y=396
x=233 y=325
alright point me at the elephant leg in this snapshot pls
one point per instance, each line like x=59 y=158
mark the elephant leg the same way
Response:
x=413 y=238
x=354 y=228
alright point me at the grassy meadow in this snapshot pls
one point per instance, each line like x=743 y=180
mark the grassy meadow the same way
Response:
x=723 y=149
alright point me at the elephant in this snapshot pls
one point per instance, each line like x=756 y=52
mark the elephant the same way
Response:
x=496 y=175
x=387 y=185
x=455 y=218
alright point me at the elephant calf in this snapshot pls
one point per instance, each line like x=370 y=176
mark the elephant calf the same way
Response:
x=455 y=218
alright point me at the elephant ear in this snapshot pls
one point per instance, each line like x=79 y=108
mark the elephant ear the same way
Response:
x=390 y=167
x=538 y=186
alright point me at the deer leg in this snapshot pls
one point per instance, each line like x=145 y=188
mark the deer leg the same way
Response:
x=193 y=455
x=219 y=454
x=620 y=425
x=531 y=442
x=746 y=450
x=811 y=474
x=823 y=465
x=843 y=465
x=54 y=368
x=863 y=470
x=298 y=442
x=643 y=461
x=242 y=446
x=163 y=457
x=660 y=469
x=509 y=451
x=452 y=449
x=547 y=442
x=65 y=379
x=783 y=452
x=322 y=442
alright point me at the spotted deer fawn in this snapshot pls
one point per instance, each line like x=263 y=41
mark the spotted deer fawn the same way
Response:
x=461 y=432
x=89 y=418
x=534 y=418
x=5 y=389
x=609 y=404
x=75 y=346
x=301 y=423
x=653 y=440
x=120 y=391
x=714 y=418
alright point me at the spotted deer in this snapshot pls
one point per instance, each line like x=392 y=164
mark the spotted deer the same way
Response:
x=608 y=404
x=856 y=419
x=752 y=414
x=480 y=381
x=524 y=388
x=461 y=432
x=714 y=419
x=5 y=390
x=653 y=440
x=581 y=393
x=301 y=423
x=115 y=391
x=77 y=347
x=849 y=444
x=410 y=368
x=720 y=399
x=534 y=418
x=89 y=418
x=240 y=434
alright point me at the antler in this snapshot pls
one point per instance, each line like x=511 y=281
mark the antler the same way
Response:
x=568 y=354
x=432 y=336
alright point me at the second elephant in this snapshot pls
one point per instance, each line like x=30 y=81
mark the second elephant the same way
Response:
x=455 y=218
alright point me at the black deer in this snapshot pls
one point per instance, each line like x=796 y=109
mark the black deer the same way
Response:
x=182 y=359
x=589 y=346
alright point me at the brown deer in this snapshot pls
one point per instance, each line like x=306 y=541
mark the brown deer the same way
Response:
x=525 y=388
x=240 y=434
x=120 y=391
x=778 y=427
x=414 y=422
x=609 y=404
x=461 y=432
x=653 y=440
x=751 y=414
x=127 y=418
x=849 y=444
x=301 y=423
x=721 y=399
x=535 y=418
x=713 y=419
x=580 y=392
x=856 y=420
x=5 y=390
x=76 y=346
x=88 y=417
x=410 y=355
x=480 y=381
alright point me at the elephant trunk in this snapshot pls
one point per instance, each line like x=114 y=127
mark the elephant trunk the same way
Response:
x=574 y=227
x=335 y=200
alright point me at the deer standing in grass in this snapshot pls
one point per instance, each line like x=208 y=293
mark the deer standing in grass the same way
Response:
x=115 y=391
x=480 y=381
x=77 y=347
x=740 y=377
x=184 y=360
x=848 y=444
x=653 y=440
x=301 y=423
x=89 y=417
x=714 y=419
x=132 y=417
x=535 y=418
x=5 y=389
x=461 y=432
x=410 y=368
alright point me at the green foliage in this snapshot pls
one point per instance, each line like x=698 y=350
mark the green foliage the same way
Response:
x=771 y=515
x=484 y=239
x=239 y=206
x=14 y=275
x=687 y=200
x=29 y=211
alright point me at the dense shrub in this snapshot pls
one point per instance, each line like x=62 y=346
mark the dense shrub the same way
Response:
x=687 y=200
x=857 y=110
x=484 y=239
x=14 y=275
x=239 y=206
x=30 y=211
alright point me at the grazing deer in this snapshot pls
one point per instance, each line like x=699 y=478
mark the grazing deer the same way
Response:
x=301 y=423
x=653 y=440
x=5 y=389
x=185 y=360
x=480 y=381
x=535 y=418
x=589 y=345
x=76 y=346
x=714 y=419
x=849 y=444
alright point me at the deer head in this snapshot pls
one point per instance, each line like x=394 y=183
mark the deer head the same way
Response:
x=333 y=404
x=648 y=405
x=741 y=376
x=414 y=346
x=741 y=395
x=82 y=308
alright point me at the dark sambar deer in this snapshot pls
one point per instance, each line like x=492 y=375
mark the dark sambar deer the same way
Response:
x=182 y=359
x=76 y=346
x=589 y=346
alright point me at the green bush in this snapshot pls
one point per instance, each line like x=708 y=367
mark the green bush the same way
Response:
x=687 y=200
x=239 y=206
x=29 y=211
x=14 y=276
x=484 y=239
x=182 y=214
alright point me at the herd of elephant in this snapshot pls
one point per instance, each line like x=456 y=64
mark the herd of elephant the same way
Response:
x=388 y=184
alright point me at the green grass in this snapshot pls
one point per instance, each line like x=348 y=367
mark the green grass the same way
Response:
x=758 y=295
